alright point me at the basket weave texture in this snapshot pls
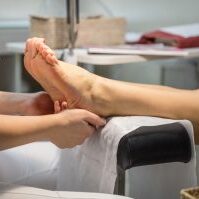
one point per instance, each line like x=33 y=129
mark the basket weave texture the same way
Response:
x=91 y=31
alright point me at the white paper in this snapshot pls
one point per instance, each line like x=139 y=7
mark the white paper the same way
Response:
x=92 y=166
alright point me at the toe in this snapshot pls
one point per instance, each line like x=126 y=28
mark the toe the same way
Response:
x=27 y=47
x=54 y=59
x=47 y=51
x=31 y=47
x=34 y=49
x=44 y=53
x=39 y=43
x=40 y=47
x=50 y=59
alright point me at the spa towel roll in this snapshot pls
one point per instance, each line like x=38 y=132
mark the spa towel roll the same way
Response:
x=92 y=167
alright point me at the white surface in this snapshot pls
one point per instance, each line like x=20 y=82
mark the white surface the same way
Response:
x=32 y=165
x=84 y=57
x=132 y=36
x=22 y=192
x=92 y=166
x=189 y=30
x=156 y=50
x=108 y=59
x=14 y=23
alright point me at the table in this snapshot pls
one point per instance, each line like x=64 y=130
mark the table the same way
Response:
x=17 y=48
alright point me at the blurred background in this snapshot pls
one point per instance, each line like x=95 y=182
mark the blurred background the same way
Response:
x=141 y=16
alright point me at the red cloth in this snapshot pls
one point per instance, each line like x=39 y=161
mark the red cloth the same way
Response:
x=181 y=42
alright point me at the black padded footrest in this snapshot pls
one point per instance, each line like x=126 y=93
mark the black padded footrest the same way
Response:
x=149 y=145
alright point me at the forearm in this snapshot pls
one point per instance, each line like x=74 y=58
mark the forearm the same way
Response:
x=12 y=103
x=19 y=130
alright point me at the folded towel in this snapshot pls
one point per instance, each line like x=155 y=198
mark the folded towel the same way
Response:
x=169 y=39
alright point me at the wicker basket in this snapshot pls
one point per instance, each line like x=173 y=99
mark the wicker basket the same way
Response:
x=91 y=31
x=191 y=193
x=52 y=29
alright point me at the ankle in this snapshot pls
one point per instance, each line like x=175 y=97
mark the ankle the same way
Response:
x=100 y=96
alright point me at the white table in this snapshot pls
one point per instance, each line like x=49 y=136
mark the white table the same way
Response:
x=82 y=57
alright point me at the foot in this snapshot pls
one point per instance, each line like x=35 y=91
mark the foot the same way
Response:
x=32 y=61
x=63 y=82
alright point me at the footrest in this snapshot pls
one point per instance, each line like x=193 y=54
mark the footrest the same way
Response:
x=149 y=145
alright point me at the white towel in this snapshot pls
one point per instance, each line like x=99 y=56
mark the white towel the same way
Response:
x=91 y=167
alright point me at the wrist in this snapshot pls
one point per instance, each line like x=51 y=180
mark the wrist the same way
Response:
x=53 y=123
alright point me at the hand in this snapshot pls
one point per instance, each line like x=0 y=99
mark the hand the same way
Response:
x=38 y=104
x=73 y=127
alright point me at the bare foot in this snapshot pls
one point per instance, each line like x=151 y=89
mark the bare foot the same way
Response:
x=63 y=82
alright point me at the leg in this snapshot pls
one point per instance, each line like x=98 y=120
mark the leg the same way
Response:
x=107 y=97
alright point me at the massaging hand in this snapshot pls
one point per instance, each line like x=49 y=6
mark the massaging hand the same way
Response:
x=37 y=104
x=73 y=127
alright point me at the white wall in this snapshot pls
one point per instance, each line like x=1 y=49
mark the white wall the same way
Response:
x=142 y=15
x=21 y=9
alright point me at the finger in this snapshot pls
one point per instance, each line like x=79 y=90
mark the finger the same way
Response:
x=90 y=129
x=94 y=119
x=64 y=105
x=57 y=107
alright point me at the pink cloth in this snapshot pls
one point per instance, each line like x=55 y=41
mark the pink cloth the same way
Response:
x=178 y=41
